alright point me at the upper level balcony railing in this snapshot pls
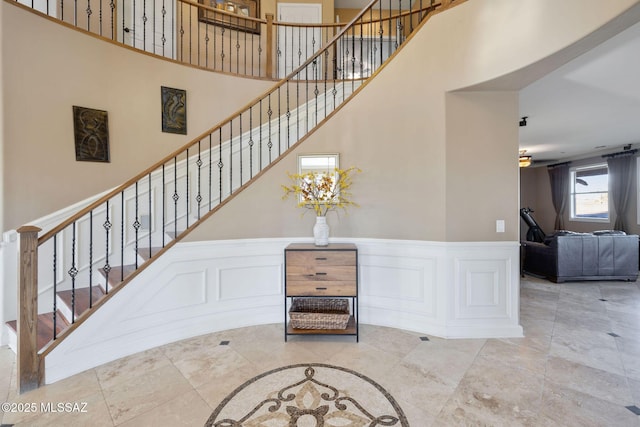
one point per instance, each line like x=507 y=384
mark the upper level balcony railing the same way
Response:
x=229 y=35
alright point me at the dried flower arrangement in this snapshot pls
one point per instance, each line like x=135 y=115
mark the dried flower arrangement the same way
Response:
x=322 y=192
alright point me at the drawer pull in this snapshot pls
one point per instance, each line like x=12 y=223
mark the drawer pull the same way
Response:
x=321 y=259
x=321 y=289
x=321 y=274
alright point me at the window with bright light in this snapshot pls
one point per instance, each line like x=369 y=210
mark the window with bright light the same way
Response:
x=590 y=193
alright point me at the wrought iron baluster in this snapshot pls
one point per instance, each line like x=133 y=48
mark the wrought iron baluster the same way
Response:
x=251 y=142
x=181 y=32
x=306 y=110
x=122 y=222
x=73 y=272
x=279 y=72
x=361 y=51
x=91 y=258
x=186 y=201
x=206 y=44
x=144 y=25
x=151 y=218
x=175 y=197
x=55 y=284
x=315 y=93
x=89 y=13
x=353 y=57
x=153 y=27
x=260 y=55
x=288 y=113
x=230 y=50
x=297 y=110
x=240 y=150
x=238 y=51
x=269 y=114
x=279 y=125
x=210 y=170
x=306 y=46
x=136 y=227
x=107 y=268
x=124 y=25
x=381 y=32
x=222 y=30
x=372 y=44
x=286 y=49
x=324 y=94
x=260 y=135
x=215 y=47
x=199 y=164
x=112 y=5
x=75 y=13
x=399 y=26
x=220 y=165
x=173 y=28
x=164 y=37
x=231 y=157
x=164 y=203
x=253 y=48
x=245 y=53
x=198 y=36
x=390 y=29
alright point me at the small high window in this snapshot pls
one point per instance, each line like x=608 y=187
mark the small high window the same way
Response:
x=589 y=189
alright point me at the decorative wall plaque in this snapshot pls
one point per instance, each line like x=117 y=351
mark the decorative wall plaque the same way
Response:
x=174 y=110
x=91 y=131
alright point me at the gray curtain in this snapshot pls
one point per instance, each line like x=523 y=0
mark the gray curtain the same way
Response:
x=620 y=176
x=559 y=177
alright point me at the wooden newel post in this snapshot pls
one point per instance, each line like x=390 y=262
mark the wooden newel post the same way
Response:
x=30 y=366
x=270 y=52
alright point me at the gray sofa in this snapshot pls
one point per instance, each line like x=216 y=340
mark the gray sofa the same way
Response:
x=566 y=256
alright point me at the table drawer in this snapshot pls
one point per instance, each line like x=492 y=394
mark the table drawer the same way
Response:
x=320 y=273
x=320 y=258
x=345 y=288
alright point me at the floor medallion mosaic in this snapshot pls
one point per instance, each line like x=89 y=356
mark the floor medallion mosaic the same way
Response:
x=308 y=395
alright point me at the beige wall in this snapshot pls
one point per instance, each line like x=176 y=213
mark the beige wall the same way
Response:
x=409 y=137
x=406 y=134
x=52 y=69
x=482 y=143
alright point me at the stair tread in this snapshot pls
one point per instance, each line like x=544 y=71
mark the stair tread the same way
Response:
x=44 y=327
x=117 y=273
x=81 y=298
x=144 y=252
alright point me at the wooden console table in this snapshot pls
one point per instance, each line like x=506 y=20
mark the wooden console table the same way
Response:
x=322 y=271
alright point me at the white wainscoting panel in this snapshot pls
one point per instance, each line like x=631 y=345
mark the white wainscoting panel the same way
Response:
x=451 y=290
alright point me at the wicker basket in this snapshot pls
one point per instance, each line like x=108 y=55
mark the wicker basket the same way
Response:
x=319 y=313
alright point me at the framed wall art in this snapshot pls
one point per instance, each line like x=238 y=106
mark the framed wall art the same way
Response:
x=239 y=9
x=174 y=110
x=91 y=132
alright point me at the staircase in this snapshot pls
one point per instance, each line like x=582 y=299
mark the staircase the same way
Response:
x=89 y=257
x=71 y=304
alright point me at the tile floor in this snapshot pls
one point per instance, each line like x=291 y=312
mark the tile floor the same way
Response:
x=578 y=365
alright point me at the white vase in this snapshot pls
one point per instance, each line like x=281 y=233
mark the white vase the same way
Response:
x=321 y=231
